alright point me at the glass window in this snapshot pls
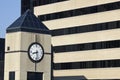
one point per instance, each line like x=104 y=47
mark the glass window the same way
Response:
x=11 y=75
x=34 y=76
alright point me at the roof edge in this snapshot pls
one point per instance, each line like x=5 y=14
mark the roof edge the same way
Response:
x=29 y=30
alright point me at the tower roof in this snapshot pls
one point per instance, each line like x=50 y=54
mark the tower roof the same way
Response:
x=28 y=22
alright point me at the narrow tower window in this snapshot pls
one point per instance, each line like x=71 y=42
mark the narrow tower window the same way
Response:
x=11 y=75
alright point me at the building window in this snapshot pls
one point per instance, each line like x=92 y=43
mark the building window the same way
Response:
x=34 y=76
x=87 y=46
x=86 y=28
x=87 y=64
x=11 y=75
x=8 y=48
x=80 y=11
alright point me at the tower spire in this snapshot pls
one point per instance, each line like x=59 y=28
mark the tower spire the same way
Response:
x=28 y=22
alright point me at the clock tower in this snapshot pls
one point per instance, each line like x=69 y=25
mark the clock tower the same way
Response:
x=28 y=49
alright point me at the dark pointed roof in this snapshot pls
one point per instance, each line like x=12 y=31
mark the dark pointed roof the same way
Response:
x=28 y=22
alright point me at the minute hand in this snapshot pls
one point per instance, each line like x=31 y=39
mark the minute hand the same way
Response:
x=35 y=52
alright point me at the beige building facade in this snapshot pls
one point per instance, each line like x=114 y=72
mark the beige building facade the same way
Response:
x=85 y=37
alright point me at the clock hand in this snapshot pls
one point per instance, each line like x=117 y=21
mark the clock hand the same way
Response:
x=36 y=55
x=34 y=52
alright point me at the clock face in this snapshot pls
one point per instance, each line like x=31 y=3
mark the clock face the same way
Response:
x=35 y=52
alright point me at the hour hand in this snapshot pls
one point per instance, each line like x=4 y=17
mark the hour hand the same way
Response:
x=35 y=52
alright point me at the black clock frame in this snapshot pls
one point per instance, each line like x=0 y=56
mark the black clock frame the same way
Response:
x=34 y=61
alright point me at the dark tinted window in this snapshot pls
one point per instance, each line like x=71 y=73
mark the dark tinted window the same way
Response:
x=86 y=28
x=11 y=75
x=34 y=76
x=2 y=49
x=2 y=53
x=25 y=4
x=81 y=11
x=87 y=46
x=70 y=78
x=1 y=70
x=87 y=64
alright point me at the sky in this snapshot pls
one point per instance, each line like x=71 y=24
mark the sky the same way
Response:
x=10 y=10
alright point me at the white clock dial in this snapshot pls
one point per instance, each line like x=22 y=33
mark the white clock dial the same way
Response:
x=35 y=52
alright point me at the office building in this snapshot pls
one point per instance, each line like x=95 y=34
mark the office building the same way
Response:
x=2 y=47
x=85 y=36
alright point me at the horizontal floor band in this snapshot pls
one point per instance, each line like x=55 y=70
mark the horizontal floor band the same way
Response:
x=70 y=78
x=77 y=78
x=86 y=28
x=80 y=11
x=21 y=51
x=16 y=51
x=29 y=30
x=87 y=46
x=87 y=64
